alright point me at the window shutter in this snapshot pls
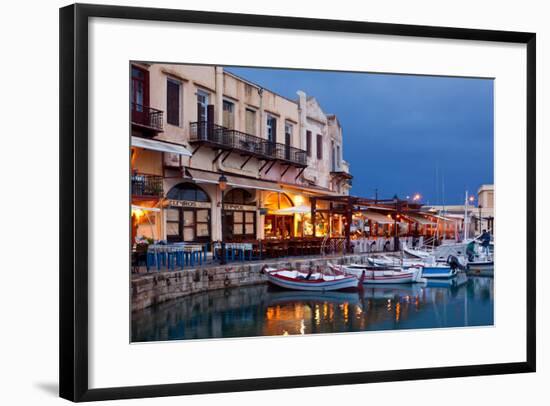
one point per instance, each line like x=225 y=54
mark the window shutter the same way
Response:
x=173 y=103
x=308 y=143
x=319 y=146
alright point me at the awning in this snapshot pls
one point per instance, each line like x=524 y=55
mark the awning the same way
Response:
x=437 y=216
x=377 y=217
x=154 y=209
x=418 y=218
x=294 y=210
x=308 y=190
x=200 y=176
x=161 y=146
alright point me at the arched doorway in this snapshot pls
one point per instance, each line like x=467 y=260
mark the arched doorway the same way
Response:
x=240 y=215
x=277 y=223
x=187 y=214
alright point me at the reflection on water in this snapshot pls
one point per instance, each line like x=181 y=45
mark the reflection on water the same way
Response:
x=261 y=310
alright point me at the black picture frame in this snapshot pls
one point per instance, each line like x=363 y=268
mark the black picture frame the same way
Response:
x=73 y=280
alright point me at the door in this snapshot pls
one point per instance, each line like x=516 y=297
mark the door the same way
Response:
x=271 y=134
x=188 y=217
x=202 y=112
x=288 y=137
x=187 y=225
x=139 y=97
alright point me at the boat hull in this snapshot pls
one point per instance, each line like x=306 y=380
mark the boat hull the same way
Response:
x=318 y=285
x=481 y=268
x=382 y=276
x=438 y=272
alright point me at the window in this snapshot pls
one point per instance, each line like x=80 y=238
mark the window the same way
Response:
x=338 y=157
x=288 y=140
x=187 y=191
x=244 y=223
x=308 y=143
x=319 y=146
x=228 y=116
x=239 y=196
x=173 y=91
x=138 y=88
x=333 y=155
x=271 y=129
x=250 y=122
x=202 y=102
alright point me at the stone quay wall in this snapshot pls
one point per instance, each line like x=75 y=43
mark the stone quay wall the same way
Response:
x=157 y=287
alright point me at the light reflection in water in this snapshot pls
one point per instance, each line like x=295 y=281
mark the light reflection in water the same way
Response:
x=259 y=310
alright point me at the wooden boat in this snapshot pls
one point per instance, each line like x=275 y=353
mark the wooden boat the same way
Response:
x=460 y=280
x=439 y=271
x=483 y=268
x=378 y=275
x=314 y=281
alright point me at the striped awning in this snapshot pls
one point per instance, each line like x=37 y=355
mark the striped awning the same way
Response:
x=201 y=176
x=419 y=218
x=160 y=146
x=377 y=217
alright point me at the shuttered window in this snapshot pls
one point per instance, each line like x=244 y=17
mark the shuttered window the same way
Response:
x=250 y=122
x=228 y=116
x=319 y=146
x=173 y=102
x=308 y=143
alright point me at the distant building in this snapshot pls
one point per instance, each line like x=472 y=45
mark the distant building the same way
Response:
x=480 y=217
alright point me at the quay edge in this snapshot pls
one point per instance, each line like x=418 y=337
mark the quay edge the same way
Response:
x=154 y=287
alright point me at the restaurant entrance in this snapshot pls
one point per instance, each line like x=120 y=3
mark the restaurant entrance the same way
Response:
x=187 y=213
x=279 y=224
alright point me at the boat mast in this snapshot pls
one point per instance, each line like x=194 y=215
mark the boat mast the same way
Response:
x=466 y=220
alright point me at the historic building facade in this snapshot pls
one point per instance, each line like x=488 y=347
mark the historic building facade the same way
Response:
x=192 y=124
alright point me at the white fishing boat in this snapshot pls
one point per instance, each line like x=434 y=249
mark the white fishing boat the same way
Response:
x=310 y=281
x=387 y=261
x=377 y=275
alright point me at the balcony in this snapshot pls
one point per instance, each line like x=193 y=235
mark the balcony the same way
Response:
x=232 y=140
x=148 y=119
x=147 y=186
x=342 y=172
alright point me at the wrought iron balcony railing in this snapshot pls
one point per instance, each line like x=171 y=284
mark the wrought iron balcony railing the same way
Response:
x=147 y=117
x=230 y=139
x=145 y=185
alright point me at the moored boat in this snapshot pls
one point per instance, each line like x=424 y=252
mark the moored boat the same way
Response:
x=483 y=268
x=439 y=271
x=377 y=275
x=311 y=281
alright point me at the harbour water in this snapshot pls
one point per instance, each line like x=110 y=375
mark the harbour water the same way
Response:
x=261 y=310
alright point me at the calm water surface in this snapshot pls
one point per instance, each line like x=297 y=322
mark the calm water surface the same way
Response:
x=262 y=310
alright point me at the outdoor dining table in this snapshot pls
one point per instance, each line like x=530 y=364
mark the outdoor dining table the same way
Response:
x=241 y=248
x=175 y=255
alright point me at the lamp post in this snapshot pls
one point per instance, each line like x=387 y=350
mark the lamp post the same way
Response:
x=395 y=231
x=479 y=207
x=222 y=181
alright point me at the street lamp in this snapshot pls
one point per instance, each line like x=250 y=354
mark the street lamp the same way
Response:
x=222 y=181
x=395 y=231
x=416 y=197
x=480 y=207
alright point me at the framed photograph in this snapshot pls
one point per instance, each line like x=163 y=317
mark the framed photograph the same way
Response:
x=257 y=202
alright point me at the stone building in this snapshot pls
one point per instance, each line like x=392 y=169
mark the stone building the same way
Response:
x=191 y=124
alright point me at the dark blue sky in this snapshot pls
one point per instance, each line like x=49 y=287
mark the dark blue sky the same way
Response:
x=403 y=134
